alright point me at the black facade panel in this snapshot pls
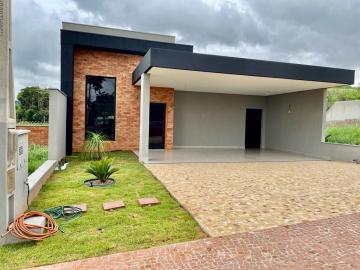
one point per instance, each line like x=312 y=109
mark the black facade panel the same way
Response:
x=242 y=66
x=119 y=44
x=67 y=88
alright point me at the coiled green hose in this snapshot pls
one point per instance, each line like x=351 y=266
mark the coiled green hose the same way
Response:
x=67 y=212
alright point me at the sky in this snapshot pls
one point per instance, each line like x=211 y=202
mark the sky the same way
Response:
x=318 y=32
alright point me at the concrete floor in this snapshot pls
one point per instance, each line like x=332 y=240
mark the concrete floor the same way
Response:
x=221 y=156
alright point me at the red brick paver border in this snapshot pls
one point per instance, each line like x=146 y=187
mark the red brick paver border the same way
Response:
x=148 y=201
x=108 y=206
x=323 y=244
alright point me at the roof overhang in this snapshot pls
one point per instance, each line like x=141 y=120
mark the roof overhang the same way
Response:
x=220 y=74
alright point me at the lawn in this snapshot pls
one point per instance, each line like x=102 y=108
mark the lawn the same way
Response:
x=38 y=154
x=342 y=93
x=98 y=232
x=349 y=134
x=346 y=132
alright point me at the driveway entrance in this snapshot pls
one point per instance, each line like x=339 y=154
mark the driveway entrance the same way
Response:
x=227 y=198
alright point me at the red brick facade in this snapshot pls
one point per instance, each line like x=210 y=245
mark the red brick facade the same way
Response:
x=127 y=118
x=38 y=134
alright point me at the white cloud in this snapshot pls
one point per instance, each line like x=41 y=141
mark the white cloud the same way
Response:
x=240 y=50
x=322 y=32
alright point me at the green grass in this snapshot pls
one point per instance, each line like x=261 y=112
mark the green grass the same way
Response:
x=38 y=154
x=30 y=123
x=342 y=93
x=344 y=134
x=98 y=232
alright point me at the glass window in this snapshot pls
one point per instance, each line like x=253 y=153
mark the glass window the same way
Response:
x=100 y=106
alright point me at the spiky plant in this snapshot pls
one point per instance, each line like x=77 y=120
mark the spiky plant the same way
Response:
x=94 y=147
x=102 y=169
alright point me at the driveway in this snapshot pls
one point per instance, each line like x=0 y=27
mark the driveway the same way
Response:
x=323 y=244
x=227 y=198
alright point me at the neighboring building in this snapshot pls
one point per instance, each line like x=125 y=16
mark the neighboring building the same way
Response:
x=344 y=111
x=195 y=101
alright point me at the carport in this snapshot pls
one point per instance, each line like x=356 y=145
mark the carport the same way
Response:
x=237 y=104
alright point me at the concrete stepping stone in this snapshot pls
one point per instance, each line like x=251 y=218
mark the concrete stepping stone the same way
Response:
x=113 y=205
x=148 y=201
x=82 y=206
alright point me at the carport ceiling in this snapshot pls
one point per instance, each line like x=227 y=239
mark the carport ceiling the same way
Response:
x=189 y=71
x=187 y=80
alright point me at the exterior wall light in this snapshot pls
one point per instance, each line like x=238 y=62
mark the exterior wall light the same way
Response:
x=290 y=110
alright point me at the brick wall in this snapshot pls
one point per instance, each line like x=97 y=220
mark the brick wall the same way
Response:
x=127 y=118
x=38 y=134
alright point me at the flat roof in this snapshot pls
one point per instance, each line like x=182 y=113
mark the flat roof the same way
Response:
x=109 y=31
x=221 y=74
x=163 y=58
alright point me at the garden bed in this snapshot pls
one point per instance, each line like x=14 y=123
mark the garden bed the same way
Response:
x=98 y=232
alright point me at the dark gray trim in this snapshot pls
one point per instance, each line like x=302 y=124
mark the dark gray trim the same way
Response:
x=143 y=67
x=117 y=44
x=72 y=39
x=67 y=87
x=240 y=66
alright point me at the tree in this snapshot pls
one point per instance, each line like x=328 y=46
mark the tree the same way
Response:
x=33 y=104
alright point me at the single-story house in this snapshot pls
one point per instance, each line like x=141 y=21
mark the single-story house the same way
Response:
x=144 y=91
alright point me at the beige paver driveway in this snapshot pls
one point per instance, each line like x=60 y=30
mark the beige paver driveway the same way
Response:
x=228 y=198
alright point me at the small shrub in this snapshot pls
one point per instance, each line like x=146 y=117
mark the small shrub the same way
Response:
x=102 y=169
x=94 y=147
x=38 y=154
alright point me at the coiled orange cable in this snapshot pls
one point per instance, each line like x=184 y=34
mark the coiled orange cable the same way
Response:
x=20 y=229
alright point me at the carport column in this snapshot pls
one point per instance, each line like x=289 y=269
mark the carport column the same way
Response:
x=144 y=118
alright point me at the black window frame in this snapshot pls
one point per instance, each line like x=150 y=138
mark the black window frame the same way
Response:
x=86 y=83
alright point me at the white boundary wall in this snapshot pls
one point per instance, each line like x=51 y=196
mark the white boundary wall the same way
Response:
x=343 y=152
x=344 y=110
x=57 y=125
